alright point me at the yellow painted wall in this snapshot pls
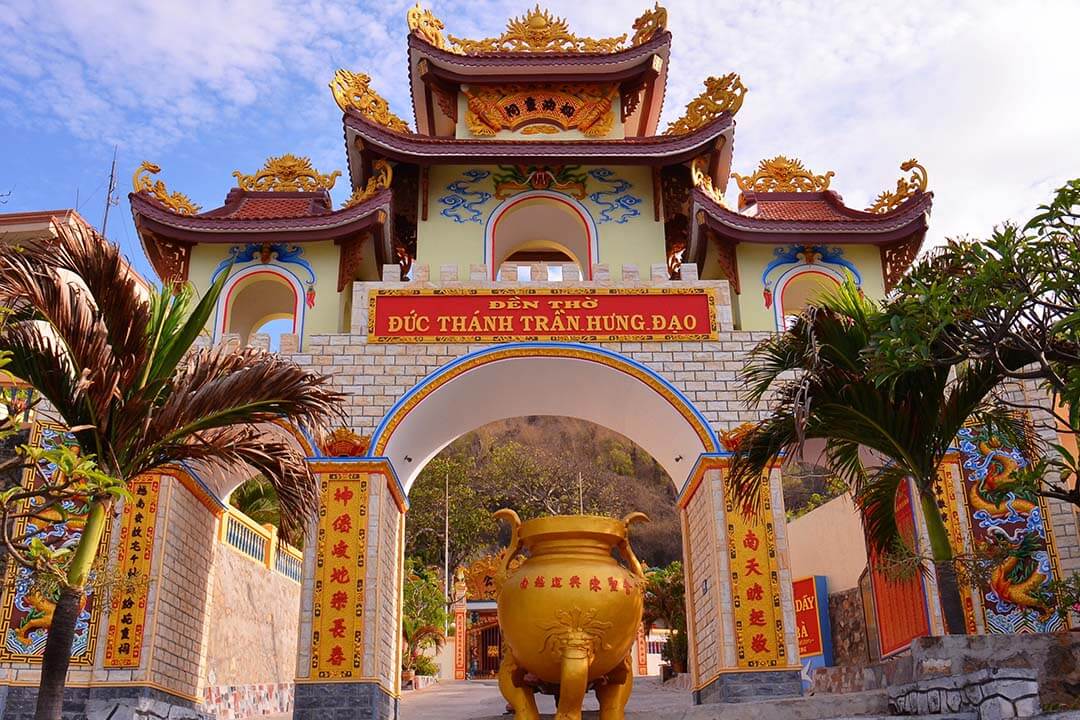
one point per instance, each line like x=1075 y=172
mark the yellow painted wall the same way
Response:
x=325 y=317
x=462 y=131
x=443 y=241
x=752 y=259
x=829 y=541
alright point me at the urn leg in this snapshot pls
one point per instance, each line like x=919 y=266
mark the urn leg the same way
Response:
x=512 y=686
x=615 y=693
x=573 y=682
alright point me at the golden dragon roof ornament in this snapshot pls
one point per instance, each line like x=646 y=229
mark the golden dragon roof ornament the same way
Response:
x=352 y=91
x=286 y=173
x=380 y=179
x=536 y=31
x=721 y=94
x=783 y=174
x=906 y=187
x=699 y=174
x=176 y=202
x=539 y=31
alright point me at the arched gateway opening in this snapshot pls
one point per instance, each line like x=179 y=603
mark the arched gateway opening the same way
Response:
x=350 y=636
x=571 y=380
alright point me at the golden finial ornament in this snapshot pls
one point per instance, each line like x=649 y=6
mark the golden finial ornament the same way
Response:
x=699 y=174
x=424 y=24
x=286 y=173
x=380 y=179
x=783 y=174
x=176 y=202
x=649 y=25
x=721 y=95
x=538 y=31
x=352 y=91
x=906 y=187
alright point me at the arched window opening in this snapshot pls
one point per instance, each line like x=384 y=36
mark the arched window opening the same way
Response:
x=799 y=291
x=260 y=301
x=540 y=227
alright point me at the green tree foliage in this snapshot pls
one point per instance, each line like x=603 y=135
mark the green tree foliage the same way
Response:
x=257 y=499
x=816 y=382
x=665 y=604
x=424 y=613
x=114 y=360
x=533 y=465
x=1010 y=302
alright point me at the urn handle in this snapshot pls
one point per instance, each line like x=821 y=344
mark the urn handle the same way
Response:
x=513 y=548
x=625 y=550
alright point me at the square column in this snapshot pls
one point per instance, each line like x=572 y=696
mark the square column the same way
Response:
x=740 y=605
x=349 y=649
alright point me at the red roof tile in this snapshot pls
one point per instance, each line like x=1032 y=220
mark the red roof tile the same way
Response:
x=264 y=208
x=806 y=210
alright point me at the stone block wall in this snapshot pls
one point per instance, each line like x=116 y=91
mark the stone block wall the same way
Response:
x=848 y=623
x=251 y=653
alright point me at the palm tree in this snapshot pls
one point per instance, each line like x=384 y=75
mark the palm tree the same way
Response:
x=114 y=359
x=257 y=499
x=815 y=380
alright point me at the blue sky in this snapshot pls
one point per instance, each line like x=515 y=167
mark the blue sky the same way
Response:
x=982 y=92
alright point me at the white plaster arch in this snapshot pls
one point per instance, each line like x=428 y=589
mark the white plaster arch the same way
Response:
x=242 y=278
x=779 y=314
x=562 y=379
x=538 y=215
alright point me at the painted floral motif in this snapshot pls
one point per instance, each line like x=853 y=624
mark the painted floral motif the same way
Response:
x=617 y=205
x=464 y=202
x=1003 y=514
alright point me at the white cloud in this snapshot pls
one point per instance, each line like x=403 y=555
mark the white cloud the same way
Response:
x=979 y=92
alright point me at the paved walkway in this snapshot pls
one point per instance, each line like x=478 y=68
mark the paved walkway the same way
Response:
x=463 y=700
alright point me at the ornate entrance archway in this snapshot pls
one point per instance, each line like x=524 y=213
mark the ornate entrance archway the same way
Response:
x=349 y=646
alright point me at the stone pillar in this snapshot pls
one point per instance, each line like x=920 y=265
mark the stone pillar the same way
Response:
x=740 y=607
x=349 y=649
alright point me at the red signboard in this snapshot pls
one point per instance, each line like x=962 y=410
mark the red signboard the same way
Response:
x=808 y=618
x=501 y=315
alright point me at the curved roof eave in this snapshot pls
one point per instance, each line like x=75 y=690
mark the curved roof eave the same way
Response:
x=375 y=211
x=425 y=150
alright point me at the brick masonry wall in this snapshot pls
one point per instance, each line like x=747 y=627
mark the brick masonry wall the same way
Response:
x=181 y=622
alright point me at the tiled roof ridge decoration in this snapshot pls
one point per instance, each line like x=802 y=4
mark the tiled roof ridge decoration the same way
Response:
x=721 y=94
x=906 y=187
x=380 y=179
x=537 y=31
x=783 y=174
x=286 y=173
x=175 y=202
x=352 y=91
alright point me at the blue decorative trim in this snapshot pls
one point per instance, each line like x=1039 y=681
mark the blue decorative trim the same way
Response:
x=620 y=201
x=381 y=428
x=796 y=255
x=202 y=483
x=459 y=207
x=281 y=253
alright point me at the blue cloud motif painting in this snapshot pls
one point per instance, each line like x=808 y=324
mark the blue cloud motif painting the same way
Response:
x=464 y=201
x=617 y=205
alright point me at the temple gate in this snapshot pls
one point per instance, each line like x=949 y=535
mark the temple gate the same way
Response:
x=535 y=246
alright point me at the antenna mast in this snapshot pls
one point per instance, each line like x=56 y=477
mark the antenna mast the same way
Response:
x=110 y=194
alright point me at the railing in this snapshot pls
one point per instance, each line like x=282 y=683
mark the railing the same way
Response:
x=260 y=543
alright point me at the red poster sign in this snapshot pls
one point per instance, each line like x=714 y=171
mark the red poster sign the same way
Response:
x=500 y=315
x=807 y=618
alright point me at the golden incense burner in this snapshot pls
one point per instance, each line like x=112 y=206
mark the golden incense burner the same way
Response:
x=569 y=613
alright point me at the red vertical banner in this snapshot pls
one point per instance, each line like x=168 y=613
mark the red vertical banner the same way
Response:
x=461 y=641
x=642 y=652
x=337 y=626
x=900 y=604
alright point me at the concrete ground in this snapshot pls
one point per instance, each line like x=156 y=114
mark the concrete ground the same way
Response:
x=465 y=700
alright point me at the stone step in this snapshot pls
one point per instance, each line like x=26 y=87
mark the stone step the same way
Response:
x=871 y=705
